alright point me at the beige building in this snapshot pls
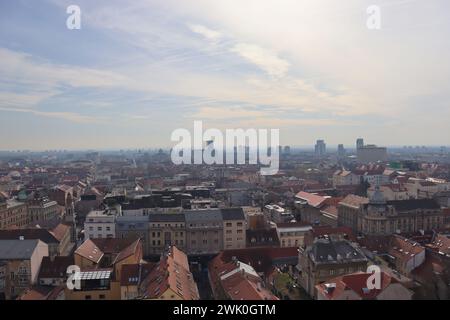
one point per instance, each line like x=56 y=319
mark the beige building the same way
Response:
x=204 y=231
x=380 y=217
x=391 y=192
x=166 y=229
x=234 y=228
x=326 y=259
x=13 y=214
x=23 y=260
x=42 y=209
x=345 y=178
x=421 y=189
x=101 y=262
x=349 y=211
x=292 y=234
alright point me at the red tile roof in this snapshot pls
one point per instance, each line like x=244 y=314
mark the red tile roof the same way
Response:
x=353 y=201
x=128 y=251
x=404 y=249
x=240 y=287
x=172 y=272
x=312 y=199
x=60 y=231
x=90 y=251
x=356 y=282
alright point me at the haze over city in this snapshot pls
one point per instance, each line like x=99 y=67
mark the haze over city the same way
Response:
x=136 y=71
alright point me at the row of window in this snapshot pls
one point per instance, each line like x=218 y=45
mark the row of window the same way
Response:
x=177 y=242
x=100 y=228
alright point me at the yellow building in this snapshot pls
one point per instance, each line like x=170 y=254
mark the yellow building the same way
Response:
x=101 y=262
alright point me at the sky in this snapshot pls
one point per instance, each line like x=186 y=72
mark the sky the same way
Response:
x=137 y=70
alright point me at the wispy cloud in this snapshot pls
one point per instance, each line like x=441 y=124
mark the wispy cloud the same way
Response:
x=263 y=58
x=208 y=33
x=69 y=116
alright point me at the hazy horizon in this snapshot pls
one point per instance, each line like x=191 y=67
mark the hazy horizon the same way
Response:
x=138 y=70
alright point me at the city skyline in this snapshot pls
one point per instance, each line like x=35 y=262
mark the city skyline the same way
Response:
x=135 y=72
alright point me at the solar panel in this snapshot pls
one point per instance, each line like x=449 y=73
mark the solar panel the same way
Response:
x=92 y=275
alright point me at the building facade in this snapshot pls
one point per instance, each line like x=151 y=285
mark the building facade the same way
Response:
x=349 y=210
x=204 y=230
x=166 y=229
x=380 y=217
x=134 y=227
x=13 y=214
x=42 y=209
x=23 y=259
x=234 y=228
x=326 y=259
x=100 y=224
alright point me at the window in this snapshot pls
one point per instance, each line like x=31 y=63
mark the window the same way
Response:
x=101 y=296
x=228 y=224
x=239 y=231
x=88 y=297
x=108 y=228
x=99 y=228
x=239 y=224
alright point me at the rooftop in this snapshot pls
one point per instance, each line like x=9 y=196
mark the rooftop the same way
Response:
x=17 y=249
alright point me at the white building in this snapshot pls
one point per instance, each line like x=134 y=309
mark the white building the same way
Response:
x=100 y=224
x=421 y=189
x=277 y=214
x=345 y=178
x=390 y=192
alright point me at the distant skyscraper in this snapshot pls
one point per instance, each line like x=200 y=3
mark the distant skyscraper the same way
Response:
x=320 y=148
x=359 y=143
x=341 y=150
